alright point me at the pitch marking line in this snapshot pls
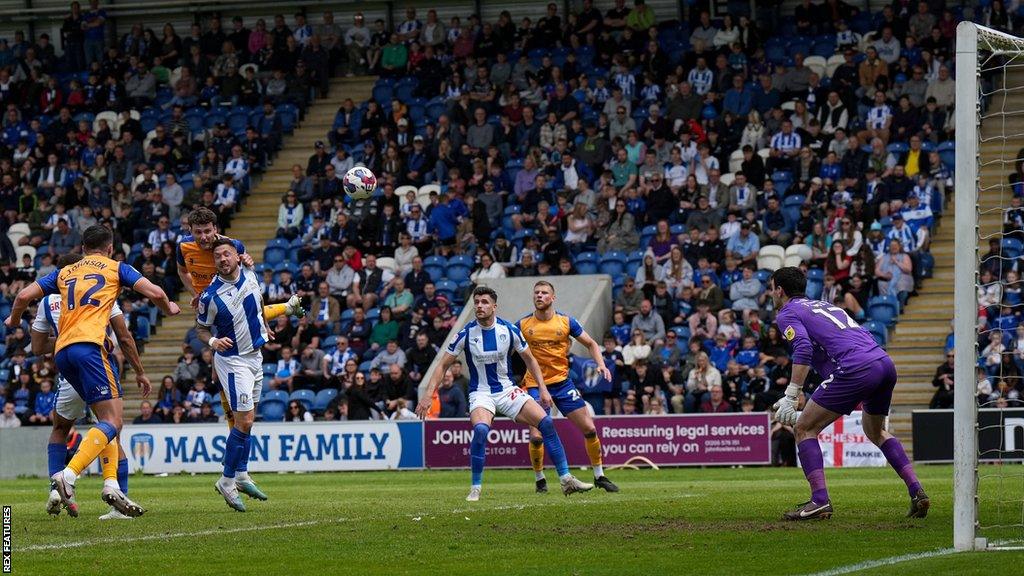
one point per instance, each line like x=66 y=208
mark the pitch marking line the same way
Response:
x=162 y=536
x=895 y=560
x=82 y=543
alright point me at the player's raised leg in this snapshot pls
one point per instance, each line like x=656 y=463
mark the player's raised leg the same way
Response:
x=481 y=418
x=811 y=422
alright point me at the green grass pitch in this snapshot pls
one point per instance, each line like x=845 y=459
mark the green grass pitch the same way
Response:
x=672 y=521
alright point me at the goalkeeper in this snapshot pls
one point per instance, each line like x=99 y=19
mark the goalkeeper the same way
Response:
x=858 y=371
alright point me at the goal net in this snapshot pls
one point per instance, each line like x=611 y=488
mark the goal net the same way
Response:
x=988 y=426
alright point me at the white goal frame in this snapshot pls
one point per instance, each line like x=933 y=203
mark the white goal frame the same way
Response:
x=968 y=114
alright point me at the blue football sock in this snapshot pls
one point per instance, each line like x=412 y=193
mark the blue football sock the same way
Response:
x=233 y=451
x=56 y=456
x=477 y=451
x=122 y=475
x=553 y=446
x=243 y=462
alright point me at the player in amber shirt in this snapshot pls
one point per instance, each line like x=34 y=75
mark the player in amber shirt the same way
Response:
x=89 y=289
x=549 y=334
x=197 y=270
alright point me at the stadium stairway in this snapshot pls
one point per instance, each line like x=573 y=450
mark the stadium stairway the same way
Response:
x=254 y=224
x=919 y=336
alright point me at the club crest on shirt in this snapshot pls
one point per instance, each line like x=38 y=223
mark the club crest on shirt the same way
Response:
x=502 y=337
x=789 y=333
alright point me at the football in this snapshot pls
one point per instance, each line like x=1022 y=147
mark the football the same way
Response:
x=360 y=183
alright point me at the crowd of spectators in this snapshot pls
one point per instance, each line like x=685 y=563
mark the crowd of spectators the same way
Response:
x=133 y=132
x=685 y=147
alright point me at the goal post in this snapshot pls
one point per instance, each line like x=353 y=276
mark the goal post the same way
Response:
x=965 y=411
x=988 y=498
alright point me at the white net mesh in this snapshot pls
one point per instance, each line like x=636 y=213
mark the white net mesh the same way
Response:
x=1000 y=335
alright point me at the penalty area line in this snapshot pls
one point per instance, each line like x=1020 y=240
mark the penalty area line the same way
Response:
x=162 y=536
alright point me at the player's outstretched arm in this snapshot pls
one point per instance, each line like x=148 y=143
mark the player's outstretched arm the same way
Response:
x=25 y=296
x=538 y=376
x=131 y=352
x=157 y=296
x=423 y=406
x=595 y=354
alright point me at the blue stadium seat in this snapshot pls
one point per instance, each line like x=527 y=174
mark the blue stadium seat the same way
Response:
x=305 y=396
x=274 y=255
x=269 y=369
x=448 y=288
x=586 y=263
x=382 y=93
x=884 y=309
x=459 y=268
x=947 y=152
x=289 y=115
x=373 y=315
x=329 y=343
x=634 y=261
x=435 y=266
x=646 y=234
x=879 y=331
x=1012 y=248
x=677 y=229
x=273 y=410
x=323 y=399
x=365 y=366
x=613 y=263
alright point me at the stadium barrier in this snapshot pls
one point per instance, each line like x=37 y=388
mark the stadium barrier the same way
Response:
x=671 y=440
x=676 y=440
x=844 y=444
x=277 y=447
x=1000 y=435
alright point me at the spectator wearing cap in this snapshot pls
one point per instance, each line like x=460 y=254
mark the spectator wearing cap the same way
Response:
x=418 y=162
x=317 y=164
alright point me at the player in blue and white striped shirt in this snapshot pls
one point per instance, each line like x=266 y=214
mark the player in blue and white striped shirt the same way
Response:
x=488 y=342
x=232 y=305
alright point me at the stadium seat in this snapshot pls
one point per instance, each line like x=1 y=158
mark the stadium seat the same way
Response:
x=448 y=288
x=1012 y=248
x=586 y=263
x=273 y=255
x=802 y=251
x=633 y=262
x=771 y=258
x=323 y=400
x=435 y=266
x=21 y=251
x=459 y=268
x=613 y=263
x=272 y=410
x=736 y=161
x=305 y=396
x=646 y=234
x=879 y=331
x=329 y=342
x=884 y=309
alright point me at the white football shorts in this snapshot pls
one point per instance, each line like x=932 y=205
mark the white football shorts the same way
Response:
x=509 y=402
x=241 y=377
